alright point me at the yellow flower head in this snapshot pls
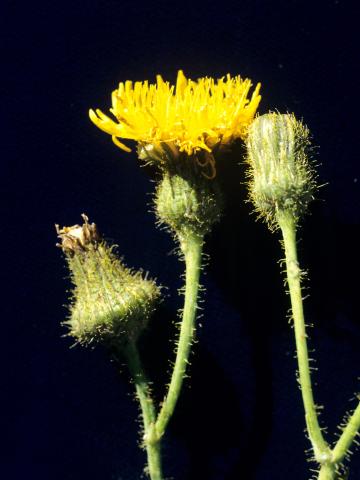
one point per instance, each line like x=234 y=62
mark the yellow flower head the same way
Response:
x=193 y=115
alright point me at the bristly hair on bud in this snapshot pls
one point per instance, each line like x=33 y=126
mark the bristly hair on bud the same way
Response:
x=281 y=176
x=110 y=303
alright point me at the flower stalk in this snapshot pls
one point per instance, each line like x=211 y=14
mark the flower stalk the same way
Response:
x=191 y=248
x=155 y=425
x=151 y=440
x=350 y=431
x=293 y=272
x=329 y=459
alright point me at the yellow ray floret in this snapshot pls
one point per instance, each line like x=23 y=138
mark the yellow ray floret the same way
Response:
x=193 y=115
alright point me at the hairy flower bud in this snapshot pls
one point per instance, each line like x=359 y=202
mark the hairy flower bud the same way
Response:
x=110 y=302
x=281 y=177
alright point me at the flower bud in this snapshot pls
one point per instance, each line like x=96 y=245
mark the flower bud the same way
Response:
x=110 y=302
x=281 y=178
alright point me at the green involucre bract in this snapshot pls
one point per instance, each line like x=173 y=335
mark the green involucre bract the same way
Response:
x=281 y=177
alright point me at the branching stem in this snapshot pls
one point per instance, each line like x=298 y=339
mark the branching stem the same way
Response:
x=328 y=459
x=154 y=428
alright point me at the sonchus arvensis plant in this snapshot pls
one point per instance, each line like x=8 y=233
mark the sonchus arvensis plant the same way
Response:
x=182 y=129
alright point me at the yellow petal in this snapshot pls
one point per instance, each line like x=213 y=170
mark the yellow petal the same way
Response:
x=120 y=145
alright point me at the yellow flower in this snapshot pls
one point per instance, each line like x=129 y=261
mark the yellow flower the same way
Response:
x=193 y=116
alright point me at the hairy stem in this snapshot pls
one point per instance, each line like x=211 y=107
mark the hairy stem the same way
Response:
x=320 y=447
x=347 y=437
x=191 y=247
x=327 y=472
x=150 y=439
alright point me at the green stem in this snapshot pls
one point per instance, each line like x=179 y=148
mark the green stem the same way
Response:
x=347 y=437
x=288 y=227
x=151 y=440
x=191 y=247
x=327 y=472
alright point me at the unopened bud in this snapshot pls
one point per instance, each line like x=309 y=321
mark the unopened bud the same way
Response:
x=282 y=179
x=110 y=302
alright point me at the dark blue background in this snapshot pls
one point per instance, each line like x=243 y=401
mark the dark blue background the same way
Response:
x=66 y=413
